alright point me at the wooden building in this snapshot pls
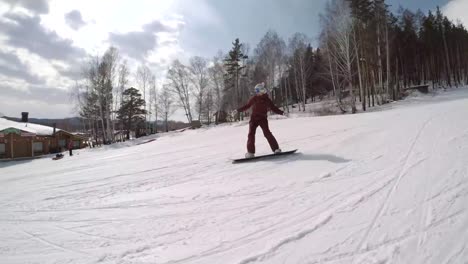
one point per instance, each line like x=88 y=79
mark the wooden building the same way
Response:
x=25 y=140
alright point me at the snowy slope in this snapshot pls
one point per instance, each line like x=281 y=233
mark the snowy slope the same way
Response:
x=382 y=187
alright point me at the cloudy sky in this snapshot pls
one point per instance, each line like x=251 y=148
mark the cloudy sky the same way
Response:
x=44 y=43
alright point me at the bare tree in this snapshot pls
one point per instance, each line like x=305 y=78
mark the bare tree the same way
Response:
x=166 y=105
x=298 y=46
x=216 y=74
x=124 y=73
x=269 y=53
x=108 y=71
x=179 y=82
x=143 y=78
x=199 y=71
x=208 y=105
x=339 y=27
x=153 y=104
x=100 y=75
x=96 y=93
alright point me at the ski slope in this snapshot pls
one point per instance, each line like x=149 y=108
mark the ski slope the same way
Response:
x=382 y=187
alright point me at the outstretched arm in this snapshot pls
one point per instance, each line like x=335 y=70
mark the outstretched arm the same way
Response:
x=247 y=106
x=274 y=108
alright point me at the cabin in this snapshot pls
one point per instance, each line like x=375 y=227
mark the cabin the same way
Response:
x=26 y=140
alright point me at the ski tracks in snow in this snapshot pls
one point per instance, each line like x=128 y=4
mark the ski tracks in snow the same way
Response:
x=52 y=244
x=397 y=179
x=323 y=220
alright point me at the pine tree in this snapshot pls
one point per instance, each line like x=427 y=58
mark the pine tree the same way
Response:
x=131 y=112
x=233 y=67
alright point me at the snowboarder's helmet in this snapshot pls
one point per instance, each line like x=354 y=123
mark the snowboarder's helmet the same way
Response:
x=260 y=89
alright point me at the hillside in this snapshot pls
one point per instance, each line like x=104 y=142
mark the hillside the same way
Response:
x=389 y=186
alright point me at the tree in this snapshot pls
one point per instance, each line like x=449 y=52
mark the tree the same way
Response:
x=131 y=112
x=143 y=78
x=166 y=105
x=122 y=83
x=199 y=71
x=179 y=81
x=269 y=52
x=208 y=105
x=108 y=70
x=216 y=74
x=97 y=95
x=88 y=108
x=298 y=46
x=153 y=104
x=339 y=26
x=233 y=67
x=445 y=25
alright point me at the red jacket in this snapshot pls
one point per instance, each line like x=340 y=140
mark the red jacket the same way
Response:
x=260 y=105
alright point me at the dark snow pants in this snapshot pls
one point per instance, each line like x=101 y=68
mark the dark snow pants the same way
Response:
x=263 y=123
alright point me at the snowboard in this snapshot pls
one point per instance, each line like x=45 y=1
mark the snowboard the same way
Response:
x=58 y=156
x=262 y=157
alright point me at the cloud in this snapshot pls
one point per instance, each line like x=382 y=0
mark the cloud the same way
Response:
x=137 y=44
x=72 y=71
x=39 y=100
x=74 y=19
x=26 y=32
x=35 y=6
x=169 y=42
x=456 y=10
x=156 y=26
x=11 y=66
x=134 y=44
x=36 y=108
x=36 y=93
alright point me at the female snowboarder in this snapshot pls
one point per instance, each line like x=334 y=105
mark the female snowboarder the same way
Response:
x=260 y=104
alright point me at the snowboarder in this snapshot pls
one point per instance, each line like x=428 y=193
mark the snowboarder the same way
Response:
x=70 y=147
x=260 y=104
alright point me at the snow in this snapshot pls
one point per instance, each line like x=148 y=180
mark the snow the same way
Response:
x=381 y=187
x=28 y=127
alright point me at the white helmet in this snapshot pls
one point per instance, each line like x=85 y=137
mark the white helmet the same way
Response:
x=260 y=88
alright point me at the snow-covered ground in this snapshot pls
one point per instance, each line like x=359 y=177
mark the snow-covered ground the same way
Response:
x=380 y=187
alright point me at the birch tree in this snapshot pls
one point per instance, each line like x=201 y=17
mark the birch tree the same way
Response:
x=143 y=78
x=339 y=25
x=165 y=105
x=216 y=74
x=153 y=104
x=269 y=52
x=124 y=73
x=178 y=76
x=199 y=71
x=100 y=74
x=298 y=46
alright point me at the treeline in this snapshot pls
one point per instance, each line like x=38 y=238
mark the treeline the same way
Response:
x=374 y=55
x=366 y=56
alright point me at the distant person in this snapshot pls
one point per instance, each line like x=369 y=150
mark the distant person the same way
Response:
x=70 y=147
x=260 y=104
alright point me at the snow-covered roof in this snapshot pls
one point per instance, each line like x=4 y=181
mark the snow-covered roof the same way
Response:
x=28 y=127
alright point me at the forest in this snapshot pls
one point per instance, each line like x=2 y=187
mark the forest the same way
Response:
x=364 y=56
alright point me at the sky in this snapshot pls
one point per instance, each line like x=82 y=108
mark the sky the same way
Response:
x=44 y=44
